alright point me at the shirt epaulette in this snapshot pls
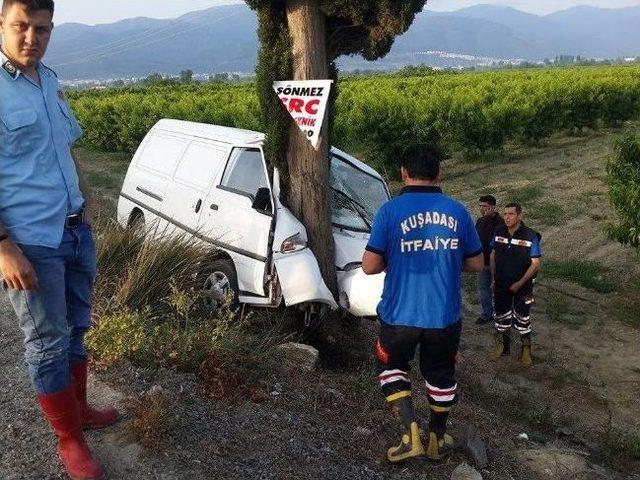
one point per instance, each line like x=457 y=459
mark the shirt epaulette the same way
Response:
x=11 y=69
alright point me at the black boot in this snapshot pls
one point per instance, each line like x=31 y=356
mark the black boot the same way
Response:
x=440 y=443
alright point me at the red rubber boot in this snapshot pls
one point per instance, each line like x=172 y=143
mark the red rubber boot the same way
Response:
x=91 y=417
x=62 y=412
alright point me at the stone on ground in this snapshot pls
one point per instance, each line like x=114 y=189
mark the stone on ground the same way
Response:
x=475 y=448
x=298 y=355
x=555 y=463
x=465 y=471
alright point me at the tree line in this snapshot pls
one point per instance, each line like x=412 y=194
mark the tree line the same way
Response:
x=377 y=117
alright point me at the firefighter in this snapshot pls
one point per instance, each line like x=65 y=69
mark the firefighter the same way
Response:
x=423 y=240
x=515 y=261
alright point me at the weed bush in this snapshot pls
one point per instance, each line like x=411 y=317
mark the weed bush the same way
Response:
x=150 y=308
x=152 y=420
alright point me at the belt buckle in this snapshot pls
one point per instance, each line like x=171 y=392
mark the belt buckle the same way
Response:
x=74 y=220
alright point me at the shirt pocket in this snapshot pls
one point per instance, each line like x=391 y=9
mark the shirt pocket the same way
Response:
x=19 y=133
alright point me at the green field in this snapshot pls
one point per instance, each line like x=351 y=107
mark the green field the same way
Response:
x=378 y=116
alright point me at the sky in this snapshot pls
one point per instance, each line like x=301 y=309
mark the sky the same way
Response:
x=107 y=11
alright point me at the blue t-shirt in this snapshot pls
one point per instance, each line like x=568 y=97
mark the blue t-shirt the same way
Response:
x=424 y=237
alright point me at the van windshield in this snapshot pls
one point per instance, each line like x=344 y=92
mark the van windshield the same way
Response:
x=356 y=196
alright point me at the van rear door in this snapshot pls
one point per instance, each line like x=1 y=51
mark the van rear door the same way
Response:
x=149 y=178
x=191 y=183
x=229 y=219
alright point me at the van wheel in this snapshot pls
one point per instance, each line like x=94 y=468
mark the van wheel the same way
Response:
x=220 y=283
x=136 y=222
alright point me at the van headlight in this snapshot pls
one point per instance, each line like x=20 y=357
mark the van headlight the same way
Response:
x=293 y=244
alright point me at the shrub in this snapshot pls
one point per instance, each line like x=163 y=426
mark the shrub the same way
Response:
x=623 y=171
x=150 y=309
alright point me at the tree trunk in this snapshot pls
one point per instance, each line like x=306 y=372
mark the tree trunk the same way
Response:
x=309 y=186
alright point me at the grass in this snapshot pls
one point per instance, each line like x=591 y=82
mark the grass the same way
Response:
x=547 y=213
x=520 y=407
x=627 y=309
x=524 y=195
x=561 y=376
x=587 y=273
x=624 y=444
x=557 y=306
x=537 y=416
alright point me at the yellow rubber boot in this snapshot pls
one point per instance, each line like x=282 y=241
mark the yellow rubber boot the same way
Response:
x=410 y=446
x=525 y=353
x=439 y=448
x=499 y=349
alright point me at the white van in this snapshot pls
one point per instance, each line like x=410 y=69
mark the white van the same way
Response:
x=212 y=182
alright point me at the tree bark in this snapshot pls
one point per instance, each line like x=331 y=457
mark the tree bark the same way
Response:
x=309 y=186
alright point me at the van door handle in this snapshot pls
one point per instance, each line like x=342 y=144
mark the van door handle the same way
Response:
x=198 y=205
x=214 y=206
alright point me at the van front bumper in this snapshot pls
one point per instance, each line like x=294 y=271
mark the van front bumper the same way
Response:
x=360 y=293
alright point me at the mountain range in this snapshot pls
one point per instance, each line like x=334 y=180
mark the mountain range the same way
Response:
x=223 y=39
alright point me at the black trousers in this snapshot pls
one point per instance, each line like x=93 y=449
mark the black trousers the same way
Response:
x=513 y=309
x=396 y=348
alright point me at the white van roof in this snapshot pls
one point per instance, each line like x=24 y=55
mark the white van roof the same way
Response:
x=238 y=136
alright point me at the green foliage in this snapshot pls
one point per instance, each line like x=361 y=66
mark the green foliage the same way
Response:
x=274 y=63
x=366 y=27
x=119 y=335
x=378 y=116
x=624 y=189
x=587 y=273
x=117 y=120
x=186 y=76
x=158 y=80
x=150 y=309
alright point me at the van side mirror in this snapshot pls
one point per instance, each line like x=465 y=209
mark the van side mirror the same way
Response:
x=262 y=201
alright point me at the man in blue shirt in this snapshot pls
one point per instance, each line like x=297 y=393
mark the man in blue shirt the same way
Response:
x=47 y=254
x=424 y=240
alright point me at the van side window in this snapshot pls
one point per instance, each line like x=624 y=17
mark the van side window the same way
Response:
x=245 y=172
x=162 y=153
x=199 y=165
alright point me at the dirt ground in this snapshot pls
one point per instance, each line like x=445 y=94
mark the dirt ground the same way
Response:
x=583 y=390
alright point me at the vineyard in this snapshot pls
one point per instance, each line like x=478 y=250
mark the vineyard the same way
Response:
x=378 y=116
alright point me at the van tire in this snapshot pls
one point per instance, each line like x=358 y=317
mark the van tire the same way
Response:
x=219 y=280
x=136 y=221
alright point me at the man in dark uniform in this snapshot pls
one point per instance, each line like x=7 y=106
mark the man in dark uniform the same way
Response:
x=424 y=240
x=47 y=254
x=486 y=225
x=515 y=261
